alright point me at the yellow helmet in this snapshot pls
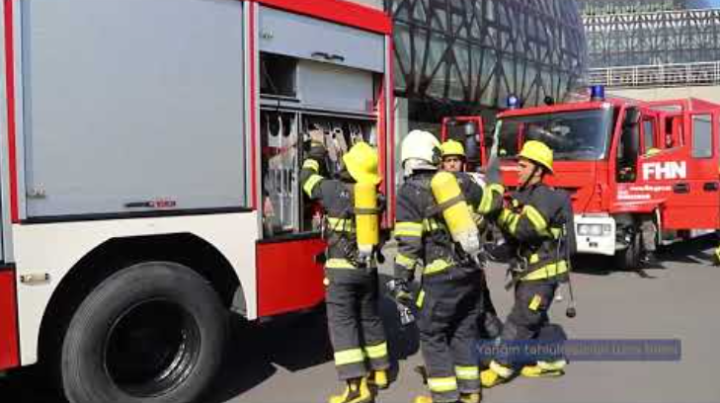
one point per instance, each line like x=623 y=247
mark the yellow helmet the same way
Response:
x=452 y=147
x=362 y=163
x=538 y=153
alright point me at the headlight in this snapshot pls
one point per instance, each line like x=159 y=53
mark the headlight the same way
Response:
x=594 y=229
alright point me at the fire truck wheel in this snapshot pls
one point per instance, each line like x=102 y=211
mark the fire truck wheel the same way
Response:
x=153 y=333
x=629 y=258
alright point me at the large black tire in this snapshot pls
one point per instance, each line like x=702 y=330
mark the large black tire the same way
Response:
x=630 y=258
x=153 y=332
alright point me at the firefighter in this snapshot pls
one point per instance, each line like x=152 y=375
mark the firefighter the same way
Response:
x=535 y=226
x=351 y=279
x=434 y=230
x=453 y=160
x=453 y=156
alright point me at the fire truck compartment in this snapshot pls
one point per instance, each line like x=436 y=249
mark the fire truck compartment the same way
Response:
x=328 y=87
x=307 y=38
x=119 y=120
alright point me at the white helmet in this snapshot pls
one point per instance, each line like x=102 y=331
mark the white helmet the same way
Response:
x=421 y=145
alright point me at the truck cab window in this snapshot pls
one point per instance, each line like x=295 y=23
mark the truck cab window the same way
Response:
x=674 y=131
x=650 y=147
x=702 y=136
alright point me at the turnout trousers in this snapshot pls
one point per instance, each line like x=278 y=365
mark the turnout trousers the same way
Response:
x=449 y=304
x=529 y=314
x=356 y=330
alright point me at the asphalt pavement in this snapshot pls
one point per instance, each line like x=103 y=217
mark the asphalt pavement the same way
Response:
x=290 y=359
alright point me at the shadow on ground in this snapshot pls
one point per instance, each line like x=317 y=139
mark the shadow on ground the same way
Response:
x=254 y=351
x=297 y=342
x=696 y=250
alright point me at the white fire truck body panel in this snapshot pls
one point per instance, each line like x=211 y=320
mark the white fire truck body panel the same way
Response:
x=117 y=119
x=123 y=119
x=40 y=249
x=306 y=38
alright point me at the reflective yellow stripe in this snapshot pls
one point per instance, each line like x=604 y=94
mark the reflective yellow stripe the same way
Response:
x=352 y=356
x=310 y=184
x=486 y=201
x=339 y=264
x=504 y=215
x=537 y=220
x=535 y=302
x=534 y=258
x=420 y=299
x=404 y=261
x=378 y=351
x=556 y=232
x=311 y=164
x=447 y=384
x=512 y=223
x=547 y=271
x=431 y=224
x=509 y=220
x=437 y=266
x=341 y=224
x=497 y=188
x=407 y=228
x=467 y=373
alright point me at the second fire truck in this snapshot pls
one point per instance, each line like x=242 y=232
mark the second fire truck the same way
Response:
x=639 y=173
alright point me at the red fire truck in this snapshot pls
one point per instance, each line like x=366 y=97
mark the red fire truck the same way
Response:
x=149 y=162
x=631 y=167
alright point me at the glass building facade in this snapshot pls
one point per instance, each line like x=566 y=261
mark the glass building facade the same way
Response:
x=640 y=33
x=602 y=7
x=460 y=57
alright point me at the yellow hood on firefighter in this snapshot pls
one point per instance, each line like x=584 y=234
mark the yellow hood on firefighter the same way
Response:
x=362 y=163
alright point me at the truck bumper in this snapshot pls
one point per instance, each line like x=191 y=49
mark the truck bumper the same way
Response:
x=595 y=234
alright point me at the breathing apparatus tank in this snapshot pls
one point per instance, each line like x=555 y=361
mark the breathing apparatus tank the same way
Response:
x=366 y=218
x=456 y=212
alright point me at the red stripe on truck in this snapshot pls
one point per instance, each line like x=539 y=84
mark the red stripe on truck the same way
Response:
x=338 y=11
x=8 y=321
x=10 y=97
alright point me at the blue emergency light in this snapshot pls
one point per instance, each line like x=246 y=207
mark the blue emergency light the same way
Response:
x=597 y=93
x=513 y=102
